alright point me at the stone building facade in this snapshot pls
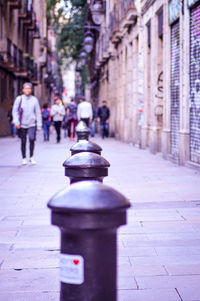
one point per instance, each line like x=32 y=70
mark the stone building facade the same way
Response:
x=23 y=52
x=147 y=66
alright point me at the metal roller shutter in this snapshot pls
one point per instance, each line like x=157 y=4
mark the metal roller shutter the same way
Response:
x=195 y=84
x=175 y=89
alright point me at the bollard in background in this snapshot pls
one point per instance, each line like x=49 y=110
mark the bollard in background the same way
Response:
x=88 y=214
x=86 y=166
x=85 y=146
x=82 y=131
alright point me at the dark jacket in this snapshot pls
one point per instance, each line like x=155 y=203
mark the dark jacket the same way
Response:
x=103 y=113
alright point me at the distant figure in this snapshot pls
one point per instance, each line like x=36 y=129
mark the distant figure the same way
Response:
x=11 y=122
x=58 y=113
x=27 y=119
x=65 y=124
x=84 y=111
x=46 y=121
x=94 y=119
x=72 y=119
x=103 y=118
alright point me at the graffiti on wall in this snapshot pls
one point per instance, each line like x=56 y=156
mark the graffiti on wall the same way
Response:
x=159 y=93
x=174 y=10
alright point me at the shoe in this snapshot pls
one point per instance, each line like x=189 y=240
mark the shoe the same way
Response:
x=32 y=161
x=24 y=161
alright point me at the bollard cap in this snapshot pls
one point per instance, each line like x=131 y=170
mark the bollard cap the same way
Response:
x=82 y=127
x=88 y=196
x=85 y=146
x=86 y=160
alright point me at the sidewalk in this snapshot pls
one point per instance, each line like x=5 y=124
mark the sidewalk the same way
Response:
x=159 y=249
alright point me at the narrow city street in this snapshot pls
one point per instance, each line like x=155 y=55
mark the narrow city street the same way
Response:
x=158 y=250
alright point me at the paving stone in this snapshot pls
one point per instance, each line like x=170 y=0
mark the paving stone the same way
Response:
x=183 y=269
x=167 y=227
x=159 y=247
x=168 y=281
x=29 y=280
x=178 y=250
x=181 y=259
x=149 y=270
x=126 y=282
x=28 y=258
x=149 y=295
x=189 y=293
x=30 y=296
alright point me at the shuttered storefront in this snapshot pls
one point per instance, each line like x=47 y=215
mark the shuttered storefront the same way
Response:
x=195 y=84
x=175 y=89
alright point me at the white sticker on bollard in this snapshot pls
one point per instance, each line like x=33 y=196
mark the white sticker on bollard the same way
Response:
x=71 y=269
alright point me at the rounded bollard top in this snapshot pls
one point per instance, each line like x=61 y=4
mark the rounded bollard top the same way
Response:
x=86 y=160
x=88 y=196
x=82 y=127
x=85 y=145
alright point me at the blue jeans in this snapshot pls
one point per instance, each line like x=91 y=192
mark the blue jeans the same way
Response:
x=104 y=129
x=46 y=126
x=93 y=128
x=13 y=129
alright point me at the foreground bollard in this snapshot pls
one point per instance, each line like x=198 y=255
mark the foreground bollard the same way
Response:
x=82 y=131
x=88 y=215
x=85 y=146
x=86 y=166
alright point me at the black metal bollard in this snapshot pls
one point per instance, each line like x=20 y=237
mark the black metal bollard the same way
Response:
x=88 y=215
x=82 y=131
x=85 y=146
x=86 y=166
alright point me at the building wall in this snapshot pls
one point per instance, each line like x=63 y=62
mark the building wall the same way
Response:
x=139 y=86
x=23 y=27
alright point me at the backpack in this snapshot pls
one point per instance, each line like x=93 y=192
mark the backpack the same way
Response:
x=45 y=114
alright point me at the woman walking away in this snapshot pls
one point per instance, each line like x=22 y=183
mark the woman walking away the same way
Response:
x=46 y=121
x=58 y=113
x=27 y=119
x=72 y=119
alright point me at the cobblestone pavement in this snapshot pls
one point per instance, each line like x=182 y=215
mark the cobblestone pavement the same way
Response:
x=159 y=249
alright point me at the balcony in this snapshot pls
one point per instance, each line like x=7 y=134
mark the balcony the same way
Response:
x=21 y=60
x=14 y=4
x=128 y=14
x=35 y=80
x=115 y=33
x=6 y=53
x=36 y=33
x=33 y=23
x=23 y=13
x=121 y=19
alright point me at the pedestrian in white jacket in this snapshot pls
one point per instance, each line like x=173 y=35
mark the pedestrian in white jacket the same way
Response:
x=27 y=119
x=58 y=113
x=84 y=111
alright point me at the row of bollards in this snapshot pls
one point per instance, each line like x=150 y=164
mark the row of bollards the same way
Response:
x=88 y=214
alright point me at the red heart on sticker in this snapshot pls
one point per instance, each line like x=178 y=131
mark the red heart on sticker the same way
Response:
x=76 y=261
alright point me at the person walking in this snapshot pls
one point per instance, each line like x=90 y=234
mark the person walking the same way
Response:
x=94 y=119
x=46 y=121
x=65 y=124
x=27 y=119
x=84 y=111
x=58 y=113
x=12 y=125
x=103 y=118
x=72 y=119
